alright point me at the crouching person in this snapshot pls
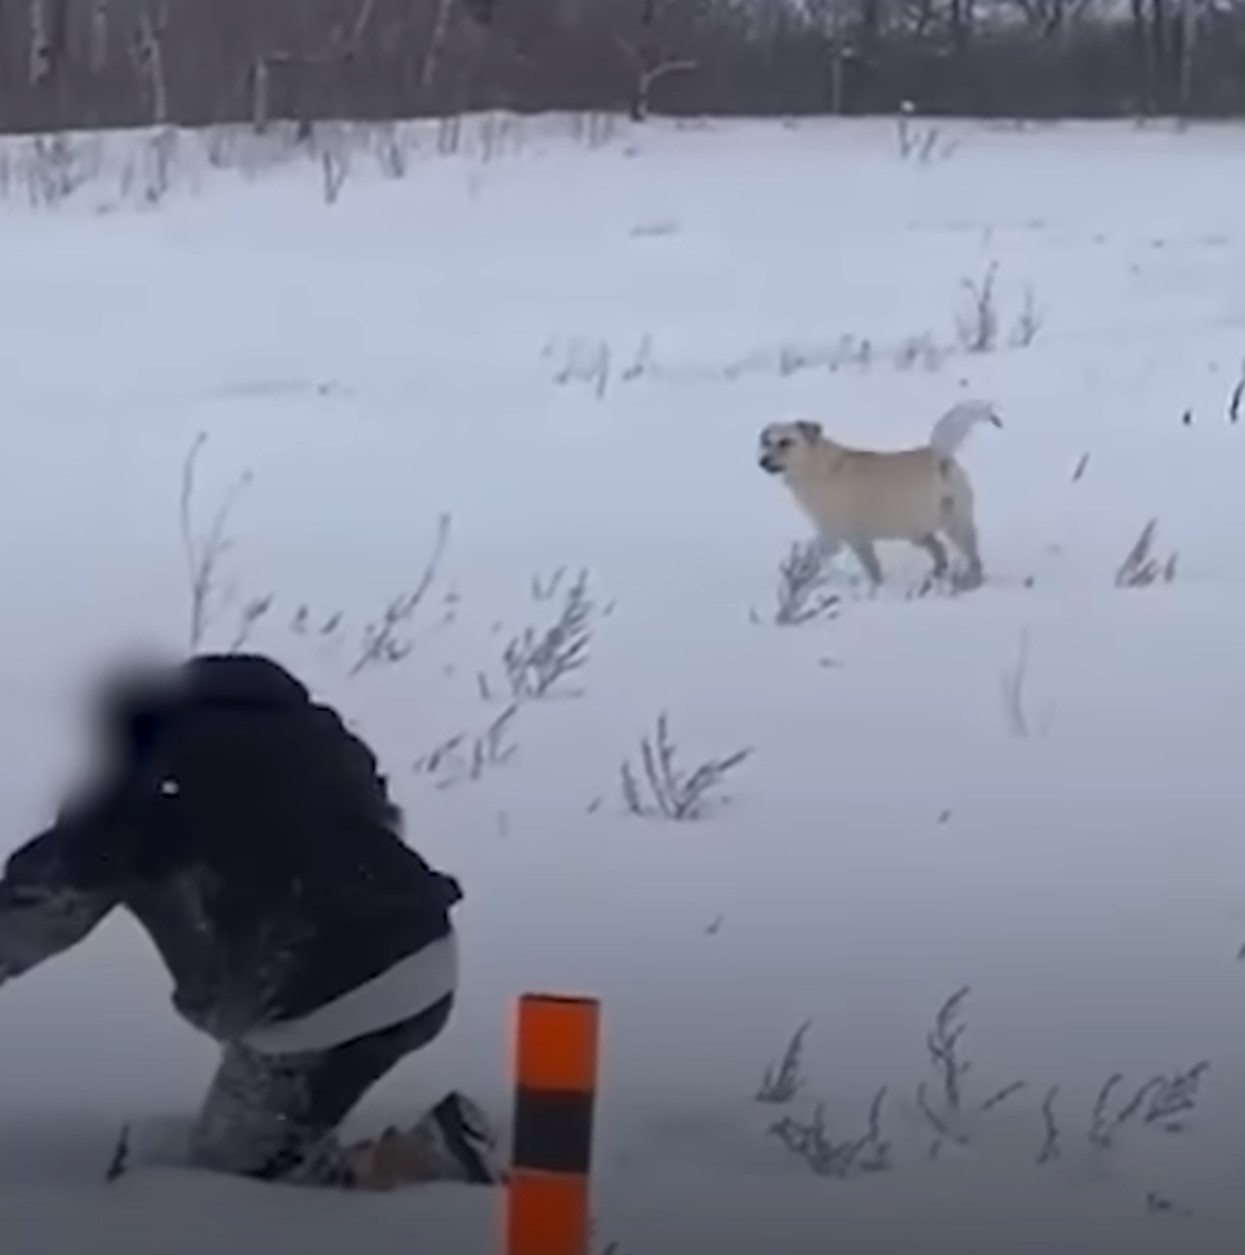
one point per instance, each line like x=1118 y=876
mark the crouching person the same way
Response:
x=251 y=835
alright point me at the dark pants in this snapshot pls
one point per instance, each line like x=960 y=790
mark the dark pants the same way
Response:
x=275 y=1117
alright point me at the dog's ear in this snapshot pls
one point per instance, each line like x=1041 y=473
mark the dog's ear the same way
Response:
x=809 y=430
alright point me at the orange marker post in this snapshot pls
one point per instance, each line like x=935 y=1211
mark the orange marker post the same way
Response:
x=547 y=1197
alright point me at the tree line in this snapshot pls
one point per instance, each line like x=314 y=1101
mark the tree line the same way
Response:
x=109 y=63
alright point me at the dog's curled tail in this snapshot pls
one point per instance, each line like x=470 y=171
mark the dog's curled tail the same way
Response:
x=952 y=429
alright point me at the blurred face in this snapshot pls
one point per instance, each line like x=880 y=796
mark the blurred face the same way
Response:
x=127 y=704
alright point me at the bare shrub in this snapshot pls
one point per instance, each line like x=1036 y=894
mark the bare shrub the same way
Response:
x=465 y=758
x=220 y=145
x=387 y=640
x=790 y=358
x=595 y=128
x=802 y=594
x=919 y=143
x=538 y=660
x=1013 y=691
x=641 y=362
x=204 y=549
x=449 y=134
x=1165 y=1102
x=587 y=360
x=783 y=1080
x=919 y=351
x=1236 y=401
x=1141 y=567
x=950 y=1113
x=500 y=133
x=334 y=171
x=119 y=1161
x=158 y=158
x=1029 y=321
x=304 y=622
x=793 y=359
x=977 y=325
x=661 y=789
x=252 y=613
x=56 y=166
x=583 y=361
x=942 y=1043
x=1052 y=1143
x=1160 y=1205
x=810 y=1140
x=392 y=154
x=492 y=138
x=253 y=153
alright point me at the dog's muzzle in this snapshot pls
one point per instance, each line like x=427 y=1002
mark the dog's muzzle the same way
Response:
x=769 y=464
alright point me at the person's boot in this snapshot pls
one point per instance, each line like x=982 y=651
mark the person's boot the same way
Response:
x=451 y=1142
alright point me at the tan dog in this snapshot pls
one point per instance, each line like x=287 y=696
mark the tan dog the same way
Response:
x=856 y=497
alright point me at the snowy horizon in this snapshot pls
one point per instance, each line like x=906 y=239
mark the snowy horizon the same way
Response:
x=562 y=338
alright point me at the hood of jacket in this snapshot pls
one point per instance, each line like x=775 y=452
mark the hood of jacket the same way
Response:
x=132 y=705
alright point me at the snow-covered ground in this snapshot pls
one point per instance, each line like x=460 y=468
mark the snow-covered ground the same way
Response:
x=565 y=338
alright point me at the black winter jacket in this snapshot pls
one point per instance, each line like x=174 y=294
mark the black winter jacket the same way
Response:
x=249 y=833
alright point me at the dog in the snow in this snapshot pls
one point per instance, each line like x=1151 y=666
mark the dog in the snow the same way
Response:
x=857 y=497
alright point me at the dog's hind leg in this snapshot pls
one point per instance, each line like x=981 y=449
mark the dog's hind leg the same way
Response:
x=867 y=556
x=962 y=533
x=937 y=551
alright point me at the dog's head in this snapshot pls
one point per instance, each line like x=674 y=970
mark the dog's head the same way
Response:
x=784 y=444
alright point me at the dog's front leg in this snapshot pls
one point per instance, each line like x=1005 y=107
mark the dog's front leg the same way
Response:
x=827 y=548
x=867 y=556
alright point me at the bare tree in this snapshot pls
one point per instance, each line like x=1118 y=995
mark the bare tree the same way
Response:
x=261 y=94
x=39 y=59
x=353 y=59
x=649 y=66
x=98 y=57
x=149 y=60
x=963 y=17
x=1188 y=48
x=435 y=50
x=49 y=24
x=834 y=27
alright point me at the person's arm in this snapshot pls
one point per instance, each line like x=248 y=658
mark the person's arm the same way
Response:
x=58 y=886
